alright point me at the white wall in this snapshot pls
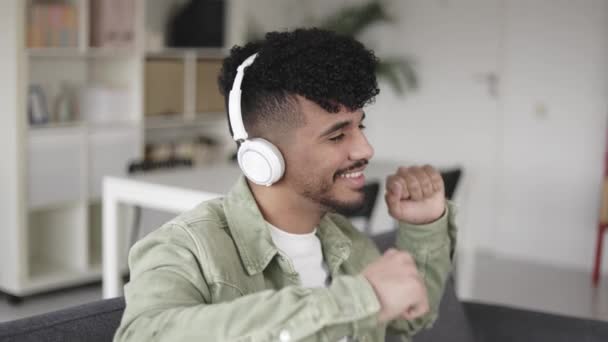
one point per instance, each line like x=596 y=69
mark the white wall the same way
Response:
x=555 y=106
x=532 y=153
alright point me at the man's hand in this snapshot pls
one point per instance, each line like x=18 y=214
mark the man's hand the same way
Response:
x=399 y=288
x=415 y=194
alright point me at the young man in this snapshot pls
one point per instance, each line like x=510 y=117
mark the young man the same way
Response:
x=274 y=260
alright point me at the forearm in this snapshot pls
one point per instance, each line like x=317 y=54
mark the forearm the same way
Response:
x=347 y=306
x=432 y=247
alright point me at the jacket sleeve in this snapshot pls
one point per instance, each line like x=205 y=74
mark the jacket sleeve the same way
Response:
x=168 y=299
x=432 y=246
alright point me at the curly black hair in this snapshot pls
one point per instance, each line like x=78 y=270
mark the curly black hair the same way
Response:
x=329 y=69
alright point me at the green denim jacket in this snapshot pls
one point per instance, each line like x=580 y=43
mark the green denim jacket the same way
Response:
x=214 y=274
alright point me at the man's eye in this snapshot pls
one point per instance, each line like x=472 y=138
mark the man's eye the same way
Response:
x=337 y=137
x=361 y=126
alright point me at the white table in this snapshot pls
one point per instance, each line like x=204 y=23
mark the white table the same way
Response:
x=179 y=191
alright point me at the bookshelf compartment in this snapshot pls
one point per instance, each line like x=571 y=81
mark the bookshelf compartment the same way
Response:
x=53 y=24
x=95 y=234
x=56 y=166
x=112 y=23
x=208 y=96
x=164 y=87
x=110 y=151
x=56 y=241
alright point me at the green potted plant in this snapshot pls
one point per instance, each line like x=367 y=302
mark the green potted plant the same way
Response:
x=354 y=20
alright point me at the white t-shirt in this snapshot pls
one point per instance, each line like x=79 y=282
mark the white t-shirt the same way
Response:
x=305 y=254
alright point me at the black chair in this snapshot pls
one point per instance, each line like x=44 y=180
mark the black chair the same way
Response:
x=451 y=178
x=142 y=166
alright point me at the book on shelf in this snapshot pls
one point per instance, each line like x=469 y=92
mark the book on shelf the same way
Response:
x=52 y=25
x=112 y=23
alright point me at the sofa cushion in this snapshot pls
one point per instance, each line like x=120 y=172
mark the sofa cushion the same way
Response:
x=503 y=323
x=90 y=322
x=452 y=324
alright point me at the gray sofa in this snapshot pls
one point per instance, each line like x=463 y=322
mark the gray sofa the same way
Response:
x=458 y=322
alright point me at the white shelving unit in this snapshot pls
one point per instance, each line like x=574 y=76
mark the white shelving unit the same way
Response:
x=51 y=174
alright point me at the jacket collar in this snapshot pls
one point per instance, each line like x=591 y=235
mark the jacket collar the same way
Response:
x=252 y=237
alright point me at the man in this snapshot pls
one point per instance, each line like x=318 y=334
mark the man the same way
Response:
x=274 y=260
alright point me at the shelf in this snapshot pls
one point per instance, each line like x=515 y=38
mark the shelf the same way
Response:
x=91 y=127
x=57 y=125
x=75 y=52
x=180 y=121
x=178 y=53
x=45 y=275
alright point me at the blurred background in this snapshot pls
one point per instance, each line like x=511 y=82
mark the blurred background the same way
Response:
x=512 y=93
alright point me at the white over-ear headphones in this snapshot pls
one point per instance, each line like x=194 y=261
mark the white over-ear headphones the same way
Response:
x=260 y=161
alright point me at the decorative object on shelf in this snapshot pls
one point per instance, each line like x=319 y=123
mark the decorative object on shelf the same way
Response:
x=38 y=111
x=159 y=152
x=101 y=104
x=202 y=150
x=112 y=23
x=206 y=150
x=52 y=25
x=65 y=107
x=199 y=23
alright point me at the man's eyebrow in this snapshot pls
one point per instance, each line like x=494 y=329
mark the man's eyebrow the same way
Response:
x=339 y=125
x=336 y=127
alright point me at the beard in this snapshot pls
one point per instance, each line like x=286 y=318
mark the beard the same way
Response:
x=319 y=190
x=342 y=207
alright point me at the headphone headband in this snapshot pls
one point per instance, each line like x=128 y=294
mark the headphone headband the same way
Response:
x=234 y=102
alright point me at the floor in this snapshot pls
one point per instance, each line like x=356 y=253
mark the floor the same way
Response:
x=538 y=287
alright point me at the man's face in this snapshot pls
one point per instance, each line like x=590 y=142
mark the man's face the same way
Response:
x=326 y=157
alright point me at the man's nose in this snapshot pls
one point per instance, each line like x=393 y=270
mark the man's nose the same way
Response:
x=362 y=148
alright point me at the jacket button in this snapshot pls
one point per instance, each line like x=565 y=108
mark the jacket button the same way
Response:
x=284 y=336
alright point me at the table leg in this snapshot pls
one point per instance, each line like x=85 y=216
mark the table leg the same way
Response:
x=111 y=282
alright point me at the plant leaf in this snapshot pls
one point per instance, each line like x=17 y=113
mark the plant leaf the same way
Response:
x=352 y=20
x=399 y=73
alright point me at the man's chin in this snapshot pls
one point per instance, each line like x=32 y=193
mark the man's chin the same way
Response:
x=346 y=208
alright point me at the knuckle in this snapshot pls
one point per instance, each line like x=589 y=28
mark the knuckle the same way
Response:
x=426 y=185
x=413 y=184
x=407 y=257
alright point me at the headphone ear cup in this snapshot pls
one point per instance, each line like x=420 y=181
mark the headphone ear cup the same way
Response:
x=261 y=161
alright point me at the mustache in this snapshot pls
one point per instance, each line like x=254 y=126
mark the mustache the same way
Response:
x=358 y=164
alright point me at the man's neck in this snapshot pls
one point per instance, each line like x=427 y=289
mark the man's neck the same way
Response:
x=285 y=209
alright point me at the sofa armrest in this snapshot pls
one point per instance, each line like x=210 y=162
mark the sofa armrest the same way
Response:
x=96 y=321
x=504 y=324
